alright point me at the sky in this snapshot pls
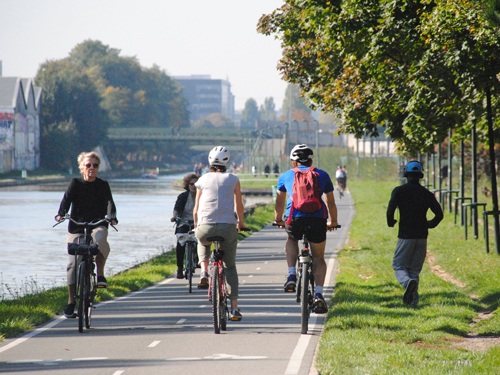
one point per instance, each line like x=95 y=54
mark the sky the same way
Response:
x=196 y=37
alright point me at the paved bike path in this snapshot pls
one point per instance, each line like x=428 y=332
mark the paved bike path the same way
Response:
x=164 y=329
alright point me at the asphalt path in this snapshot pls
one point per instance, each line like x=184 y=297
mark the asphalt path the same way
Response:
x=166 y=330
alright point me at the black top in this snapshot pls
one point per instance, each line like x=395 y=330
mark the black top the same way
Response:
x=413 y=201
x=89 y=201
x=181 y=201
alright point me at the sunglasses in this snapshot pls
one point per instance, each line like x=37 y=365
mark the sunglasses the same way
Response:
x=192 y=183
x=92 y=165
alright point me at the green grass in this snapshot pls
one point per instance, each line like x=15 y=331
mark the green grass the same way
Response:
x=24 y=313
x=369 y=329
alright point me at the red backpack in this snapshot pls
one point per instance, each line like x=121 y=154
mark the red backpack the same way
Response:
x=306 y=195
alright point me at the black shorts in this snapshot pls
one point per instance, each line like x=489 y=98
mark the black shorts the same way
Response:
x=317 y=233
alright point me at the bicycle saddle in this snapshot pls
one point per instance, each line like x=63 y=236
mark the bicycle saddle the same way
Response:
x=215 y=238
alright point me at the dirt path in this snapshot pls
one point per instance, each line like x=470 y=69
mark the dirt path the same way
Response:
x=472 y=341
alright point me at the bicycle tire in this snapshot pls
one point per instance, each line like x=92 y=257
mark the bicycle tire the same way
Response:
x=81 y=295
x=298 y=285
x=90 y=305
x=189 y=265
x=304 y=303
x=215 y=298
x=223 y=306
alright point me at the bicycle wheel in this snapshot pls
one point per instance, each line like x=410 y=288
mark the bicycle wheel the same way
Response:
x=92 y=291
x=298 y=286
x=223 y=305
x=81 y=295
x=304 y=298
x=215 y=294
x=189 y=264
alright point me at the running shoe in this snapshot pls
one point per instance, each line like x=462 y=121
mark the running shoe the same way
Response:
x=180 y=274
x=319 y=305
x=69 y=311
x=236 y=315
x=102 y=282
x=203 y=280
x=290 y=283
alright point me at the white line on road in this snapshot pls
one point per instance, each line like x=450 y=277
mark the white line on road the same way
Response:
x=202 y=306
x=181 y=321
x=297 y=355
x=119 y=372
x=153 y=344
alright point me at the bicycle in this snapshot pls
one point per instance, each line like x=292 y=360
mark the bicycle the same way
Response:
x=305 y=281
x=190 y=242
x=86 y=280
x=218 y=291
x=341 y=187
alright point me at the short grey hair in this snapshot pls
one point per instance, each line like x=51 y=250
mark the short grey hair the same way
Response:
x=85 y=155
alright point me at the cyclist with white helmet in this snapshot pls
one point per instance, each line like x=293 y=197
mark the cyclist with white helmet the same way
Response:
x=217 y=195
x=319 y=223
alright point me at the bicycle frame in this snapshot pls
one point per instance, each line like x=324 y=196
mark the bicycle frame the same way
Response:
x=218 y=291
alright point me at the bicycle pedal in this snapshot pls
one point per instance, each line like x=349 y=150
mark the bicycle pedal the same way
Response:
x=235 y=319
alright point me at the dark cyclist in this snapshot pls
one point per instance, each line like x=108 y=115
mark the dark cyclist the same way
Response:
x=90 y=199
x=302 y=157
x=183 y=209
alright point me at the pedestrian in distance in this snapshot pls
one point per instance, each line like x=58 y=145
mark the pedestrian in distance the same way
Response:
x=183 y=213
x=296 y=220
x=413 y=202
x=267 y=170
x=89 y=198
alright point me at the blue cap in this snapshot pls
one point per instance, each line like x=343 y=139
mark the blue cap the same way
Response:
x=413 y=167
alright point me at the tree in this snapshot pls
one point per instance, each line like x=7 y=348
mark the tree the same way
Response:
x=250 y=113
x=267 y=110
x=294 y=107
x=70 y=97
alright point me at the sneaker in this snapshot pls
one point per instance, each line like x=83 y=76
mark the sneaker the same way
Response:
x=69 y=311
x=290 y=283
x=319 y=305
x=410 y=288
x=203 y=280
x=102 y=282
x=236 y=315
x=180 y=274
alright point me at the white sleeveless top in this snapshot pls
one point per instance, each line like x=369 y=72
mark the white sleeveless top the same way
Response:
x=217 y=199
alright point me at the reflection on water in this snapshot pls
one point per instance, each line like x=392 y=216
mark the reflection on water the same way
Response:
x=32 y=250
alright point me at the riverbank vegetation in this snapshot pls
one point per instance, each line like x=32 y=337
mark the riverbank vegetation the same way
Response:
x=37 y=307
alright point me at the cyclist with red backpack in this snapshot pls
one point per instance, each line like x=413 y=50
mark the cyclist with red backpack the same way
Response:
x=306 y=186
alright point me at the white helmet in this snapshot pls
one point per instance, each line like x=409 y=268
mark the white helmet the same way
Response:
x=301 y=153
x=219 y=156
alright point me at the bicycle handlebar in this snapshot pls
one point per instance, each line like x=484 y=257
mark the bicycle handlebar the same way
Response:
x=106 y=219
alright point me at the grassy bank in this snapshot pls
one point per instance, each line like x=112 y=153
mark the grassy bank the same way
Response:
x=22 y=314
x=371 y=331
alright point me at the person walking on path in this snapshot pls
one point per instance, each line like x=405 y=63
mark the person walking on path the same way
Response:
x=413 y=202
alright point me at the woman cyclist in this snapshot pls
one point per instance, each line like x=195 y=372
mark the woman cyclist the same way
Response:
x=217 y=194
x=184 y=210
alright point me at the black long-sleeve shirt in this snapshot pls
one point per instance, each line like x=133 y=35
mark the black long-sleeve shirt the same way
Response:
x=413 y=201
x=89 y=201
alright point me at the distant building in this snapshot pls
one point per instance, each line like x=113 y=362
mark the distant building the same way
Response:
x=206 y=96
x=19 y=124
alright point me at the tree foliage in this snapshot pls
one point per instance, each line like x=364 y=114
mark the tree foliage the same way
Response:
x=417 y=67
x=294 y=106
x=267 y=110
x=95 y=88
x=250 y=113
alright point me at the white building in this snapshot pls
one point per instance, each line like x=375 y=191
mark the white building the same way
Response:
x=19 y=124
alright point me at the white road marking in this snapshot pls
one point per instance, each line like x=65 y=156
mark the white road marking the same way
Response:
x=153 y=344
x=181 y=321
x=219 y=356
x=258 y=268
x=297 y=355
x=202 y=306
x=90 y=359
x=119 y=372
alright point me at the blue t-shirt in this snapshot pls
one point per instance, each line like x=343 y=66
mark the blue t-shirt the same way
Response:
x=285 y=184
